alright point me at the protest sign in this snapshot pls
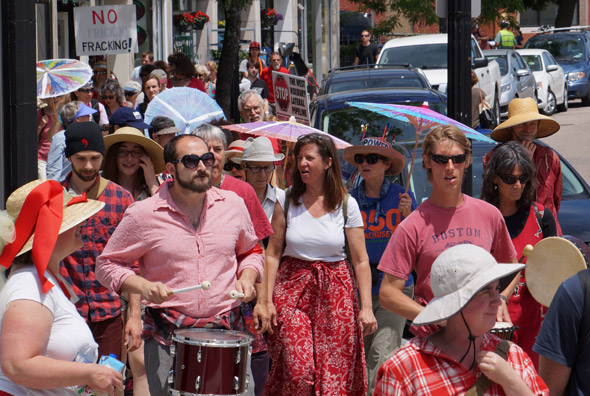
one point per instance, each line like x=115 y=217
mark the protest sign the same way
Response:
x=291 y=98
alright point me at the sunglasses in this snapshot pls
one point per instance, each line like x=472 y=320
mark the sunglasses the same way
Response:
x=229 y=166
x=511 y=179
x=130 y=93
x=109 y=97
x=370 y=158
x=444 y=159
x=86 y=90
x=364 y=35
x=191 y=161
x=122 y=153
x=257 y=169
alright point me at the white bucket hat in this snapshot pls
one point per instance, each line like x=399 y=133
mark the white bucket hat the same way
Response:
x=458 y=274
x=258 y=150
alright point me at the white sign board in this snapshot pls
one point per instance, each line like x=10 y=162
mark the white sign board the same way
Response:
x=105 y=30
x=291 y=98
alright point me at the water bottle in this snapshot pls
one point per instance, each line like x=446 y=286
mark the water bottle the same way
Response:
x=87 y=354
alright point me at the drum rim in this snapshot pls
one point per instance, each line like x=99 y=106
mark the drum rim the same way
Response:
x=244 y=339
x=175 y=392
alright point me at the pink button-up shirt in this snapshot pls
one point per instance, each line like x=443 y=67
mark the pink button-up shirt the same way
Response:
x=170 y=250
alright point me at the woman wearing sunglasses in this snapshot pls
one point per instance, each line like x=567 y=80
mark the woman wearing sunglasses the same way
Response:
x=234 y=150
x=509 y=183
x=447 y=218
x=384 y=204
x=111 y=95
x=309 y=303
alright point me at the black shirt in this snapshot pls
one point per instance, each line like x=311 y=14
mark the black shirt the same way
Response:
x=516 y=222
x=367 y=55
x=260 y=86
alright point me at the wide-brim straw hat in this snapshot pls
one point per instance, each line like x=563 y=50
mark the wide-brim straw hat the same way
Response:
x=73 y=214
x=235 y=149
x=258 y=150
x=456 y=276
x=377 y=146
x=133 y=135
x=519 y=112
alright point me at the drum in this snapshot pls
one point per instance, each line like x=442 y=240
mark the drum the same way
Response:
x=209 y=362
x=504 y=330
x=552 y=261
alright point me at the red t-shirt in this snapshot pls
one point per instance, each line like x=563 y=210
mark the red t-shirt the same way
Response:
x=266 y=75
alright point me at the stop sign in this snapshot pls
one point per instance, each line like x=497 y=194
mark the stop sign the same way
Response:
x=282 y=93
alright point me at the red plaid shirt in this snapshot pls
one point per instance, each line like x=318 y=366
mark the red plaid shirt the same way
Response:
x=96 y=303
x=420 y=368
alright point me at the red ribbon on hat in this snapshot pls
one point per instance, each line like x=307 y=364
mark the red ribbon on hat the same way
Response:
x=42 y=212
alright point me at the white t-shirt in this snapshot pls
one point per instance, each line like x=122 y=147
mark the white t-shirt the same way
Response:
x=69 y=332
x=310 y=238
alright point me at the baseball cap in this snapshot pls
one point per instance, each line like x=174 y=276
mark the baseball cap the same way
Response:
x=83 y=110
x=132 y=86
x=126 y=116
x=254 y=44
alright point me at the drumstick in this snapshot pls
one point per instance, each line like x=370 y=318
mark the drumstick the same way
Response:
x=205 y=285
x=235 y=294
x=528 y=249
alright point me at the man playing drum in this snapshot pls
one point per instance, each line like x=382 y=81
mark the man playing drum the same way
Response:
x=184 y=235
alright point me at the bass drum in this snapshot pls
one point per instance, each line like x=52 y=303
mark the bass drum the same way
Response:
x=552 y=261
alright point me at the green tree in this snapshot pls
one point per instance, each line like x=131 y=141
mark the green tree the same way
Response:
x=228 y=64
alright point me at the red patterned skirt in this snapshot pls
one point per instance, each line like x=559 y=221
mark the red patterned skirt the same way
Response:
x=317 y=348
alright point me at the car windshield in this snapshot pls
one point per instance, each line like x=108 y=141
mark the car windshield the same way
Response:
x=562 y=48
x=346 y=123
x=429 y=56
x=376 y=82
x=534 y=62
x=502 y=62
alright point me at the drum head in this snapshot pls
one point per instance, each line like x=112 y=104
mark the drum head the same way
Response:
x=552 y=261
x=211 y=337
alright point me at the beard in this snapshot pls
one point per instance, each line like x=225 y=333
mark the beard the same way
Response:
x=86 y=176
x=193 y=185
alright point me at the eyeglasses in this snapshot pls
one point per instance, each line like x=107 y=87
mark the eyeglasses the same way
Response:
x=86 y=90
x=109 y=97
x=255 y=109
x=511 y=179
x=191 y=161
x=364 y=35
x=444 y=159
x=257 y=169
x=370 y=158
x=100 y=73
x=130 y=93
x=122 y=153
x=229 y=166
x=200 y=75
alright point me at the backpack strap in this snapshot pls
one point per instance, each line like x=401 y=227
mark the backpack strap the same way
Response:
x=483 y=383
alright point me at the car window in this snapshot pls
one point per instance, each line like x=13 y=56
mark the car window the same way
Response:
x=475 y=51
x=534 y=62
x=428 y=56
x=519 y=61
x=549 y=60
x=397 y=82
x=502 y=62
x=562 y=48
x=346 y=123
x=572 y=188
x=347 y=85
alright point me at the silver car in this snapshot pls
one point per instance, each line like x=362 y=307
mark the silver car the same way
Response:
x=518 y=80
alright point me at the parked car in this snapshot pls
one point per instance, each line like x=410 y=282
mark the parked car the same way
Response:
x=388 y=76
x=550 y=78
x=571 y=49
x=518 y=80
x=429 y=53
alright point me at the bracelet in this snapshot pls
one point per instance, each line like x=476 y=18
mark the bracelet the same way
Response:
x=503 y=298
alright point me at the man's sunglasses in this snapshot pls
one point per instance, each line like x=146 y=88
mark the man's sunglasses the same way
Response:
x=229 y=166
x=444 y=159
x=191 y=161
x=511 y=179
x=85 y=90
x=370 y=158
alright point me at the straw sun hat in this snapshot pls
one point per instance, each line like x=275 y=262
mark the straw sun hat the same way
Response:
x=377 y=146
x=129 y=134
x=73 y=214
x=519 y=112
x=456 y=276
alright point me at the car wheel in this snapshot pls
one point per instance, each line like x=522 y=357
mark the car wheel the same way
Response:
x=565 y=105
x=551 y=103
x=586 y=99
x=497 y=110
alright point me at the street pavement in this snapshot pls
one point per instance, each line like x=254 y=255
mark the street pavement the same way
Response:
x=572 y=141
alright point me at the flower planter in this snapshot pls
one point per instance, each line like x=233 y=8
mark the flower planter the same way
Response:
x=200 y=25
x=268 y=22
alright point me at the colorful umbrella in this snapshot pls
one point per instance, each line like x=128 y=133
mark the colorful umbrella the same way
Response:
x=56 y=77
x=187 y=107
x=422 y=118
x=283 y=130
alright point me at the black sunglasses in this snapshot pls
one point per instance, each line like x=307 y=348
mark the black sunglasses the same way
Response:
x=444 y=159
x=231 y=165
x=191 y=161
x=370 y=158
x=86 y=90
x=511 y=179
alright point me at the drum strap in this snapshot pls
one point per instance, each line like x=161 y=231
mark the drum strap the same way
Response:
x=483 y=383
x=584 y=328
